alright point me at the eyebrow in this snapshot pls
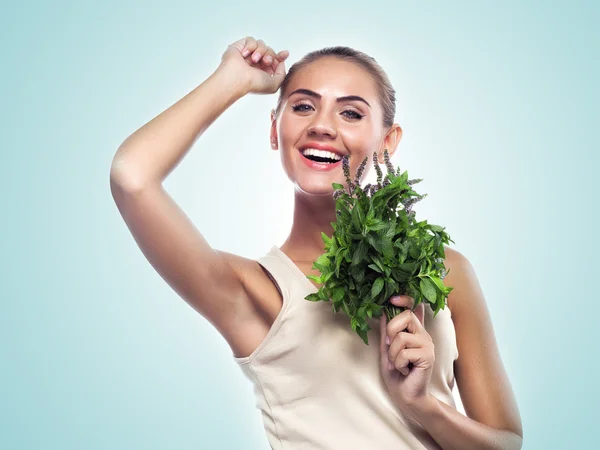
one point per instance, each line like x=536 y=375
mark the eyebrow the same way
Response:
x=338 y=100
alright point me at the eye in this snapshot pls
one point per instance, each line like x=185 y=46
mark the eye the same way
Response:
x=300 y=107
x=350 y=113
x=353 y=114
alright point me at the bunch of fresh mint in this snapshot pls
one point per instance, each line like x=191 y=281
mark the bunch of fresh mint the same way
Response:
x=378 y=249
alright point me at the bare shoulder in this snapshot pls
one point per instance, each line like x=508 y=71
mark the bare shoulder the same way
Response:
x=453 y=256
x=459 y=270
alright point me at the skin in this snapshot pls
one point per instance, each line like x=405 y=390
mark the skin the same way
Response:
x=324 y=120
x=493 y=420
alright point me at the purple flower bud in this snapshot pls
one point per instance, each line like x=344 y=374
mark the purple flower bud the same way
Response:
x=360 y=170
x=386 y=157
x=377 y=169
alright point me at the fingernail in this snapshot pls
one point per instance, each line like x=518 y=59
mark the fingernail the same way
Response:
x=268 y=59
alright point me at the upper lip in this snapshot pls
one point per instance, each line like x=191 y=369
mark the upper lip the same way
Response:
x=321 y=146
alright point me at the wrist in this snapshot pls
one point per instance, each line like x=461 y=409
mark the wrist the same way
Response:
x=231 y=79
x=422 y=409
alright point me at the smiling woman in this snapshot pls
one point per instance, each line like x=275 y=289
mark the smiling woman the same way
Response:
x=316 y=384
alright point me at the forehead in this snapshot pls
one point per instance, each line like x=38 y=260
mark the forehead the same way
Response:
x=335 y=77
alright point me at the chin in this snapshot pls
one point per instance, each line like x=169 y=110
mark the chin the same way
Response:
x=317 y=187
x=313 y=182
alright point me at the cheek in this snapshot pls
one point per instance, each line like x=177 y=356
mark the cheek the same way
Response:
x=360 y=131
x=289 y=130
x=360 y=141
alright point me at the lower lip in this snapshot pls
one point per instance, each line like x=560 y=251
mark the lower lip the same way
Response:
x=319 y=166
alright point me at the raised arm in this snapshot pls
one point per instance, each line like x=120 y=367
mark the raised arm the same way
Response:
x=201 y=275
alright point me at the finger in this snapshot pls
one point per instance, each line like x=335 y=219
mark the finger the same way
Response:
x=405 y=321
x=239 y=44
x=267 y=67
x=280 y=70
x=404 y=340
x=414 y=325
x=249 y=46
x=398 y=323
x=383 y=346
x=260 y=51
x=404 y=301
x=419 y=311
x=415 y=356
x=403 y=359
x=269 y=56
x=269 y=62
x=275 y=64
x=278 y=58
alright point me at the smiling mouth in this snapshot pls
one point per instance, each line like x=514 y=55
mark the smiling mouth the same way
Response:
x=320 y=163
x=320 y=159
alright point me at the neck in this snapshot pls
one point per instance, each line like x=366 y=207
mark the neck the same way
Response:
x=312 y=215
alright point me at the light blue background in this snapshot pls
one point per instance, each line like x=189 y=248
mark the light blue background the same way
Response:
x=499 y=106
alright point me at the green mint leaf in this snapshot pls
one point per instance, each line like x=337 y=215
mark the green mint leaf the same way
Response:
x=428 y=289
x=375 y=268
x=377 y=287
x=326 y=239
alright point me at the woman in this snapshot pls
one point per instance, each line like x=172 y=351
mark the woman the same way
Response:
x=317 y=384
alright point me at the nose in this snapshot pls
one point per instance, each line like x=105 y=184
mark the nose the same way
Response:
x=322 y=125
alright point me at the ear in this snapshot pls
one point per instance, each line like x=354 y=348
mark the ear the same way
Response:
x=273 y=134
x=391 y=140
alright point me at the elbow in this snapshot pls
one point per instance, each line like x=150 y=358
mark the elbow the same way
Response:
x=123 y=179
x=517 y=442
x=512 y=441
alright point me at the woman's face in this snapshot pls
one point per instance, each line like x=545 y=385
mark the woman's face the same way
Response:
x=313 y=116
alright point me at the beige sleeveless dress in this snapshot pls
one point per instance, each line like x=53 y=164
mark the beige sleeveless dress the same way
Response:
x=318 y=386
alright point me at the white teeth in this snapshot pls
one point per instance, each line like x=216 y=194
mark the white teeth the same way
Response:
x=321 y=153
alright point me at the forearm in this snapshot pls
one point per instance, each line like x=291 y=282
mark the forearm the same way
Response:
x=455 y=431
x=154 y=150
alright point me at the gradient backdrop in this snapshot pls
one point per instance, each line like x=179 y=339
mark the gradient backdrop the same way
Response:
x=498 y=104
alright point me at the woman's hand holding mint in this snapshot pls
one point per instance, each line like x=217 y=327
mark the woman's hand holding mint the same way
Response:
x=255 y=64
x=407 y=355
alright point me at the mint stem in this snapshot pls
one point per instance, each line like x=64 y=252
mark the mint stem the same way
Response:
x=392 y=311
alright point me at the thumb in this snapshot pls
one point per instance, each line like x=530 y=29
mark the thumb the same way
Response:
x=280 y=70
